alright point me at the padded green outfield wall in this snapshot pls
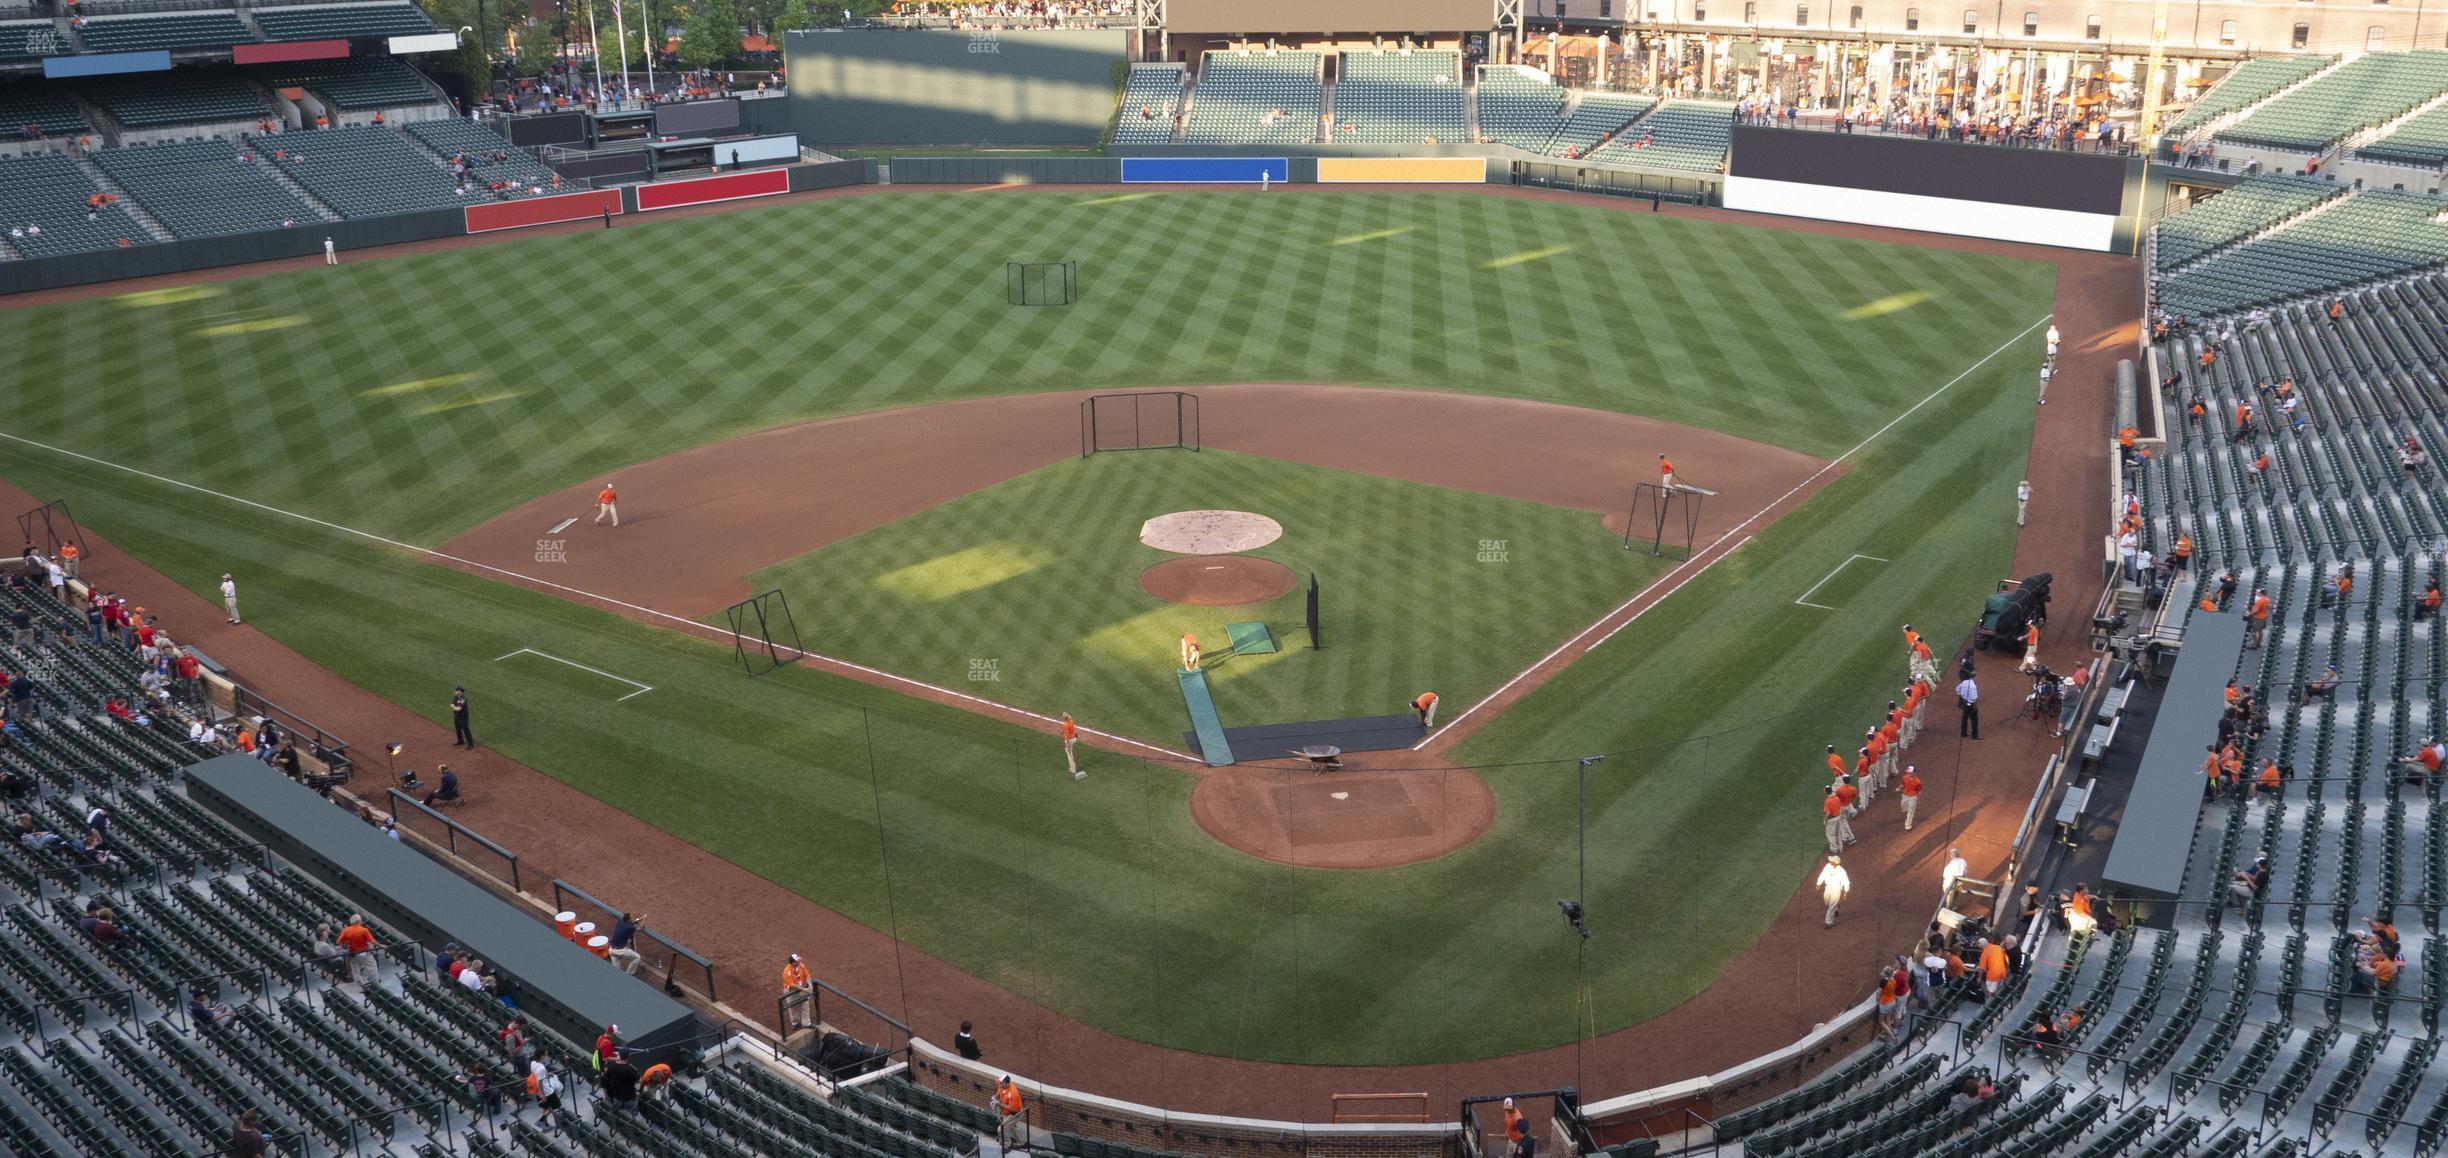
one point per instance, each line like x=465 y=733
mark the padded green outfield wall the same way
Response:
x=952 y=87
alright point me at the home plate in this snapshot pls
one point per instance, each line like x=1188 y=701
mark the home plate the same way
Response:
x=1340 y=795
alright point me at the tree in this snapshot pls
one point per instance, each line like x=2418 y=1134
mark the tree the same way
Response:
x=467 y=63
x=712 y=34
x=796 y=16
x=536 y=48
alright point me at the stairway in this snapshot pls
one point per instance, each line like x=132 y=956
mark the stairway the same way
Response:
x=127 y=201
x=281 y=178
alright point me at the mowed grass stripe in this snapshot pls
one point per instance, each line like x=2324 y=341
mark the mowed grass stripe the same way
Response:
x=1163 y=935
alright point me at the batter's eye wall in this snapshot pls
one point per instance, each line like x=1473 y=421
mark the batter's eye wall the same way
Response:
x=2044 y=196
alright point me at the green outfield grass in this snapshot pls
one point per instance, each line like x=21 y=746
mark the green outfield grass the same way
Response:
x=1029 y=591
x=414 y=397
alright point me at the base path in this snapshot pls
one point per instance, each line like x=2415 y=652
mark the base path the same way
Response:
x=1795 y=976
x=696 y=523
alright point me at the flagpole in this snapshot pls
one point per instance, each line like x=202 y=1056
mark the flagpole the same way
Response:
x=646 y=31
x=620 y=32
x=595 y=49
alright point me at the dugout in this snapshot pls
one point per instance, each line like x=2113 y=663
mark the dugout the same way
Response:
x=2144 y=864
x=565 y=987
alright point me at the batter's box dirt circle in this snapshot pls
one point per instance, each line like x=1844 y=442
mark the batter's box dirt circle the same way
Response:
x=1209 y=532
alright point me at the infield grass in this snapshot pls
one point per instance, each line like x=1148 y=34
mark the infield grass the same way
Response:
x=1028 y=592
x=415 y=397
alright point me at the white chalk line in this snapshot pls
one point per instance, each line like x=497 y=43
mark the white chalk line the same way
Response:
x=642 y=689
x=649 y=612
x=1804 y=598
x=1754 y=517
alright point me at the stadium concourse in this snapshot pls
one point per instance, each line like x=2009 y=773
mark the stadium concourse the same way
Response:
x=1772 y=995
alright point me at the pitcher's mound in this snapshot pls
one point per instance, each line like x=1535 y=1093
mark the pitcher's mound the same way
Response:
x=1209 y=532
x=1217 y=580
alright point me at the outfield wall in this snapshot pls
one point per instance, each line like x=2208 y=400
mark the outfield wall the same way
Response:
x=946 y=86
x=2068 y=199
x=192 y=254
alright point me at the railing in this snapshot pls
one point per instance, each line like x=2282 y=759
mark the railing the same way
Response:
x=862 y=1014
x=1932 y=132
x=329 y=750
x=563 y=890
x=453 y=831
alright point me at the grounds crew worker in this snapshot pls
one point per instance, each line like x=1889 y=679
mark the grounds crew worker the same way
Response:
x=1425 y=705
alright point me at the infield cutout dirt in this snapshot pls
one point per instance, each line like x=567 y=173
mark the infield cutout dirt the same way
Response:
x=1218 y=580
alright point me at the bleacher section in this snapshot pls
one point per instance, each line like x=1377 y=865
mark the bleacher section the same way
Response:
x=1682 y=134
x=184 y=96
x=1598 y=114
x=188 y=30
x=2362 y=236
x=451 y=135
x=342 y=22
x=2422 y=140
x=99 y=1057
x=1518 y=106
x=2231 y=216
x=2251 y=82
x=357 y=82
x=47 y=107
x=1401 y=98
x=2239 y=1029
x=31 y=39
x=1256 y=98
x=42 y=208
x=1156 y=89
x=2370 y=91
x=362 y=171
x=201 y=188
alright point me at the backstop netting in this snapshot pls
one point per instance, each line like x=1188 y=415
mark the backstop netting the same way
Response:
x=763 y=634
x=1041 y=283
x=1146 y=420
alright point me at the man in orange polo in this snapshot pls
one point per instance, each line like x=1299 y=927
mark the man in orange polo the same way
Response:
x=2259 y=617
x=2031 y=647
x=1908 y=786
x=798 y=995
x=1666 y=472
x=1189 y=652
x=1993 y=968
x=2429 y=604
x=1425 y=704
x=606 y=505
x=357 y=941
x=1070 y=738
x=1012 y=1119
x=1839 y=834
x=1835 y=762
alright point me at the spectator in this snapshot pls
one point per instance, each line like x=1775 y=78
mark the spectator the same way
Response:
x=513 y=1039
x=328 y=953
x=654 y=1084
x=204 y=1011
x=472 y=976
x=607 y=1046
x=545 y=1091
x=448 y=957
x=246 y=1140
x=480 y=1087
x=965 y=1043
x=620 y=1083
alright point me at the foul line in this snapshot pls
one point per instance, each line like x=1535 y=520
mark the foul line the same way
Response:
x=648 y=612
x=642 y=689
x=1804 y=598
x=1754 y=517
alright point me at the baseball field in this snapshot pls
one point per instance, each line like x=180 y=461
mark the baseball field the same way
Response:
x=315 y=432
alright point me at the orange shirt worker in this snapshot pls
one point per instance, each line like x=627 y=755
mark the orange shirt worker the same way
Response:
x=606 y=501
x=1070 y=738
x=798 y=994
x=1189 y=652
x=1909 y=787
x=1666 y=472
x=1425 y=705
